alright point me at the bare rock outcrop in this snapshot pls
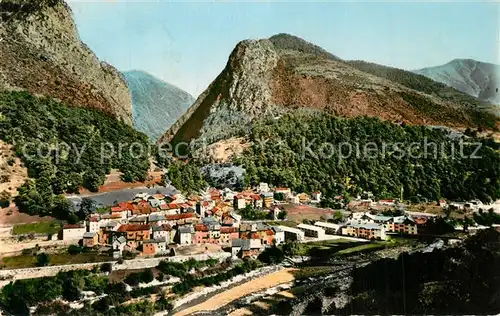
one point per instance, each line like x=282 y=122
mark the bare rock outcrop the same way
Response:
x=41 y=52
x=265 y=78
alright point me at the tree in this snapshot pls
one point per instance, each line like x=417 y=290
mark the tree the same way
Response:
x=338 y=217
x=4 y=199
x=289 y=248
x=147 y=276
x=63 y=208
x=282 y=215
x=87 y=207
x=103 y=304
x=272 y=255
x=160 y=277
x=42 y=259
x=74 y=249
x=133 y=279
x=72 y=218
x=106 y=267
x=92 y=180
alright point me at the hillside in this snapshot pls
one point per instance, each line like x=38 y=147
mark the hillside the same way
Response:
x=266 y=78
x=41 y=52
x=66 y=148
x=279 y=155
x=156 y=105
x=478 y=79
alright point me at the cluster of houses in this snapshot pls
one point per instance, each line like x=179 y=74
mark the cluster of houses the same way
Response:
x=150 y=224
x=264 y=197
x=359 y=225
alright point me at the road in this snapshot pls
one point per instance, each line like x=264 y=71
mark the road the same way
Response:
x=109 y=198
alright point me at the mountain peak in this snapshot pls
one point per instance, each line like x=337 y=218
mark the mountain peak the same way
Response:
x=265 y=78
x=286 y=41
x=478 y=79
x=42 y=53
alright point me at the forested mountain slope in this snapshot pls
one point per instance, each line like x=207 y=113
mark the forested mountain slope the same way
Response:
x=156 y=104
x=65 y=148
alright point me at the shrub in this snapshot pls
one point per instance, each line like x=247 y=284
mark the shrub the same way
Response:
x=133 y=279
x=106 y=267
x=160 y=277
x=147 y=276
x=74 y=249
x=4 y=199
x=42 y=260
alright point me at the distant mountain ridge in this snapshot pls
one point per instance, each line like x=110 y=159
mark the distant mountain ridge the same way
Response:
x=478 y=79
x=156 y=104
x=268 y=77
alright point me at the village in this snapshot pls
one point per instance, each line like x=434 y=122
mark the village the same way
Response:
x=158 y=224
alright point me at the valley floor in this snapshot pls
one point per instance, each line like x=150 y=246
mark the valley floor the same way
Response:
x=259 y=284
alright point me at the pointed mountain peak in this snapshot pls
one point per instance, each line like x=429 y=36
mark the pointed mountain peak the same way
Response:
x=286 y=41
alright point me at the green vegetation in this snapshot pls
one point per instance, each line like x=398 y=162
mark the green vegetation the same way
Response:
x=454 y=281
x=181 y=269
x=272 y=255
x=290 y=42
x=4 y=197
x=486 y=218
x=291 y=152
x=51 y=228
x=19 y=295
x=314 y=271
x=428 y=86
x=42 y=260
x=189 y=282
x=185 y=176
x=319 y=249
x=250 y=213
x=29 y=261
x=363 y=248
x=133 y=279
x=61 y=147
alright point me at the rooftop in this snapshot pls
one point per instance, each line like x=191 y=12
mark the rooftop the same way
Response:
x=309 y=227
x=132 y=227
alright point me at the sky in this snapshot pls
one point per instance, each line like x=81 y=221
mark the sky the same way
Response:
x=187 y=43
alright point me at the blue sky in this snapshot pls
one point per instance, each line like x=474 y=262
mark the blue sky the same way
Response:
x=187 y=43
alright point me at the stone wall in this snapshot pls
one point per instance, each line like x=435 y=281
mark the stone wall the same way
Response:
x=28 y=273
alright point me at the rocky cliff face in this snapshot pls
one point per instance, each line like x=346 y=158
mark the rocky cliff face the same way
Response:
x=41 y=52
x=239 y=94
x=478 y=79
x=284 y=73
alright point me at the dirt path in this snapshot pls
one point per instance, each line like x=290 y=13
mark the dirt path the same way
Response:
x=226 y=297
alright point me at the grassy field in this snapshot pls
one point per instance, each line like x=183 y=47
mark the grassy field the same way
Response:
x=314 y=271
x=29 y=261
x=37 y=228
x=363 y=247
x=304 y=249
x=283 y=223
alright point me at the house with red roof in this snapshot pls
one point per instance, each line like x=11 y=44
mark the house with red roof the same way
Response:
x=135 y=234
x=227 y=234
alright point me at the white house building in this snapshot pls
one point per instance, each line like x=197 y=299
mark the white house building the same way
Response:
x=73 y=231
x=312 y=231
x=330 y=228
x=292 y=234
